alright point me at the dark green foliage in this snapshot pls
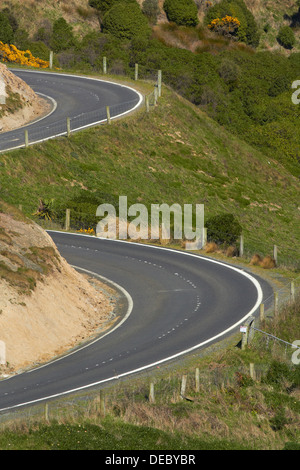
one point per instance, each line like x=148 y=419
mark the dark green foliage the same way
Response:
x=151 y=10
x=83 y=209
x=247 y=32
x=125 y=20
x=280 y=373
x=223 y=228
x=6 y=31
x=11 y=18
x=181 y=12
x=21 y=39
x=62 y=36
x=286 y=37
x=279 y=420
x=102 y=5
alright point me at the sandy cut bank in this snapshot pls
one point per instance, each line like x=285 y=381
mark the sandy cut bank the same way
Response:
x=22 y=105
x=46 y=306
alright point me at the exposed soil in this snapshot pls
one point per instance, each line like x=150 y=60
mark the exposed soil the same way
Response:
x=46 y=307
x=23 y=105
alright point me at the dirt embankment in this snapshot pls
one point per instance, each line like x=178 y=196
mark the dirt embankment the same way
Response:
x=46 y=307
x=22 y=104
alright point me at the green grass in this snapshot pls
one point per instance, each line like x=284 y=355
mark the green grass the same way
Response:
x=111 y=434
x=230 y=411
x=174 y=154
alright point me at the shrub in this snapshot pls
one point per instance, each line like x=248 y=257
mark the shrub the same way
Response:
x=151 y=10
x=62 y=36
x=286 y=37
x=223 y=228
x=181 y=12
x=125 y=20
x=6 y=31
x=236 y=9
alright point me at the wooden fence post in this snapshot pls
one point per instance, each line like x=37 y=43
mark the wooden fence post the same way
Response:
x=51 y=60
x=241 y=253
x=183 y=386
x=108 y=115
x=136 y=71
x=292 y=291
x=159 y=82
x=252 y=371
x=47 y=412
x=155 y=95
x=151 y=394
x=68 y=216
x=275 y=254
x=68 y=127
x=262 y=312
x=197 y=380
x=245 y=336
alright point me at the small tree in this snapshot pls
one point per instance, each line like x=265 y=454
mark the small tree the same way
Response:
x=6 y=31
x=223 y=228
x=125 y=20
x=286 y=37
x=151 y=10
x=181 y=12
x=62 y=36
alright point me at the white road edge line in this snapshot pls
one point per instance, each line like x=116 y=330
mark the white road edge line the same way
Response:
x=141 y=98
x=161 y=361
x=126 y=316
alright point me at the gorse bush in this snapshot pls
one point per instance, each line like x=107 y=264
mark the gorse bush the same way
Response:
x=125 y=20
x=286 y=37
x=12 y=54
x=246 y=31
x=181 y=12
x=223 y=229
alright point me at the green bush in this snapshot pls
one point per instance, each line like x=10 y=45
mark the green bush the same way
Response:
x=125 y=20
x=247 y=31
x=223 y=229
x=286 y=37
x=62 y=36
x=151 y=10
x=6 y=31
x=181 y=12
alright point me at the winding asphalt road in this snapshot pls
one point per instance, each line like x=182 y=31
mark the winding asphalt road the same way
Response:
x=176 y=302
x=173 y=302
x=81 y=99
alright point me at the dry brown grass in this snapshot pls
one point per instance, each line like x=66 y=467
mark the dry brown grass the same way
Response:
x=211 y=247
x=266 y=263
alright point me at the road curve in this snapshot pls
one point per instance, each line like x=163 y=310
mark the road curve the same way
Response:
x=177 y=302
x=82 y=99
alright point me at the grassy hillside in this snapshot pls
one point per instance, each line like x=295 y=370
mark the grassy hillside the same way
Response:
x=174 y=154
x=76 y=12
x=230 y=410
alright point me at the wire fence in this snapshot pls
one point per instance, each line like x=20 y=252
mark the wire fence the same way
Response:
x=163 y=387
x=104 y=114
x=76 y=123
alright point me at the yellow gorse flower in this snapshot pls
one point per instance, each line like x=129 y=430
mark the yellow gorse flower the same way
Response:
x=89 y=231
x=227 y=20
x=10 y=53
